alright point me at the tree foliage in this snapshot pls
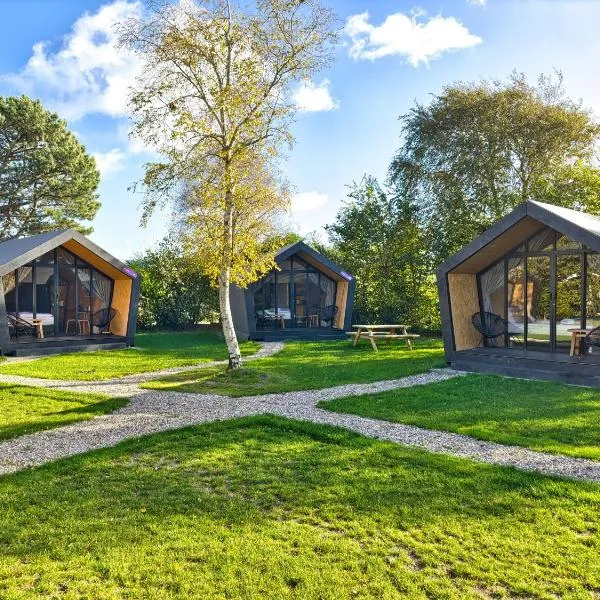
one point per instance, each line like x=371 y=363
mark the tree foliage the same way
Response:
x=175 y=292
x=215 y=100
x=378 y=239
x=47 y=180
x=477 y=150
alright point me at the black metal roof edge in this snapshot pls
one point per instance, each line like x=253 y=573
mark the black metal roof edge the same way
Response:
x=58 y=239
x=535 y=210
x=296 y=247
x=484 y=239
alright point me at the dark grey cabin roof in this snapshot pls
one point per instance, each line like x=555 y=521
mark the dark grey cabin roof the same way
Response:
x=20 y=251
x=579 y=226
x=291 y=249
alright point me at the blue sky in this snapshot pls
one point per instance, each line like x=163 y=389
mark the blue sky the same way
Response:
x=392 y=54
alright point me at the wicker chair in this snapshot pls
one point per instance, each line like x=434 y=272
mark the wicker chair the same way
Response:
x=101 y=319
x=329 y=315
x=491 y=326
x=591 y=340
x=18 y=327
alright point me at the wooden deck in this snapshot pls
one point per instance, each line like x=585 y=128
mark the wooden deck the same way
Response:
x=531 y=364
x=27 y=346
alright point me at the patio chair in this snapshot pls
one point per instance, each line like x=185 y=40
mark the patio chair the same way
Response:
x=591 y=340
x=491 y=327
x=18 y=327
x=329 y=315
x=101 y=319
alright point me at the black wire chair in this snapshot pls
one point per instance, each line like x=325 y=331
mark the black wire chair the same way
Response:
x=591 y=340
x=18 y=327
x=329 y=315
x=102 y=319
x=491 y=327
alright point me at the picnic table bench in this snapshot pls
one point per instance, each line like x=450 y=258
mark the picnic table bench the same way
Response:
x=382 y=332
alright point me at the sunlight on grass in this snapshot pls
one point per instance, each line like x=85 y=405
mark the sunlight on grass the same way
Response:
x=545 y=416
x=271 y=508
x=153 y=352
x=309 y=365
x=27 y=409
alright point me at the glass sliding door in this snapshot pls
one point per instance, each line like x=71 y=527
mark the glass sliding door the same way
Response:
x=569 y=314
x=592 y=296
x=84 y=301
x=45 y=300
x=516 y=314
x=539 y=303
x=283 y=296
x=67 y=320
x=301 y=317
x=25 y=306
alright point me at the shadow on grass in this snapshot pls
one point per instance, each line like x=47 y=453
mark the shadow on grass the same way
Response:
x=25 y=410
x=546 y=416
x=309 y=365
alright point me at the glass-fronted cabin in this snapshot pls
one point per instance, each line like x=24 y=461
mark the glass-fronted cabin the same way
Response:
x=524 y=297
x=61 y=291
x=307 y=294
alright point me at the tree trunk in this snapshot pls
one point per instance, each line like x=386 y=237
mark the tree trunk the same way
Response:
x=233 y=348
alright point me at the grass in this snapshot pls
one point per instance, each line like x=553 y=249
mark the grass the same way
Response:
x=153 y=352
x=265 y=507
x=310 y=365
x=549 y=417
x=27 y=409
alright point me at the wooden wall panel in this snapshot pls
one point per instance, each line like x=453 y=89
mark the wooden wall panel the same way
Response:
x=120 y=302
x=464 y=302
x=341 y=299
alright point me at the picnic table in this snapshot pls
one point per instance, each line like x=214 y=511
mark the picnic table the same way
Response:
x=382 y=332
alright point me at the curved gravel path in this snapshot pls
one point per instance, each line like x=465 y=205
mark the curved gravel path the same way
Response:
x=151 y=411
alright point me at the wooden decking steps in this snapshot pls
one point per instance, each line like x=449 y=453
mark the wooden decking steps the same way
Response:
x=66 y=345
x=553 y=367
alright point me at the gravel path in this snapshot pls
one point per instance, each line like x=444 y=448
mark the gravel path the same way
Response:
x=125 y=386
x=151 y=411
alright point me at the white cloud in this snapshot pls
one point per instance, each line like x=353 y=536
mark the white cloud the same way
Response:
x=310 y=97
x=406 y=36
x=86 y=74
x=477 y=2
x=110 y=162
x=306 y=201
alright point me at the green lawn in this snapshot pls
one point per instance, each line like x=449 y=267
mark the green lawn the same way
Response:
x=27 y=409
x=270 y=508
x=543 y=416
x=310 y=365
x=153 y=352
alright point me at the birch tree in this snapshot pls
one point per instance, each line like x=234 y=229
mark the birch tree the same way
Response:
x=215 y=99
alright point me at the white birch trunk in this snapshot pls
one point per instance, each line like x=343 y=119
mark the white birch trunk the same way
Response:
x=233 y=348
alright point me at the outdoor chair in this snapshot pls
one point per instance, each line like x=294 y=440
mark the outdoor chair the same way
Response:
x=101 y=319
x=591 y=340
x=329 y=315
x=491 y=327
x=18 y=327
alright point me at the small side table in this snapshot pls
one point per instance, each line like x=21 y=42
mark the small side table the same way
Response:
x=39 y=328
x=577 y=336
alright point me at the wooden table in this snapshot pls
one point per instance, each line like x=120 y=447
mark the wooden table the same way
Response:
x=577 y=336
x=385 y=332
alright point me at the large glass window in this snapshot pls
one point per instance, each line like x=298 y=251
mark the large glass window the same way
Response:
x=296 y=295
x=538 y=318
x=543 y=291
x=569 y=311
x=45 y=297
x=60 y=291
x=516 y=314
